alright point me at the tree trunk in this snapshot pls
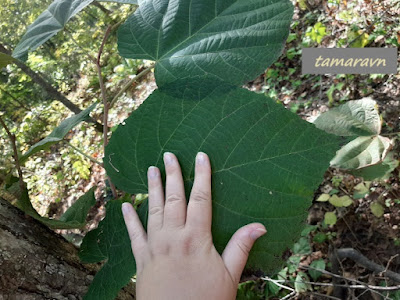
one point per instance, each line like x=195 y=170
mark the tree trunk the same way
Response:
x=37 y=263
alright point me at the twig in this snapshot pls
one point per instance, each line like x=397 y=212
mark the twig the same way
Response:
x=366 y=263
x=390 y=134
x=352 y=286
x=14 y=146
x=129 y=83
x=105 y=102
x=83 y=153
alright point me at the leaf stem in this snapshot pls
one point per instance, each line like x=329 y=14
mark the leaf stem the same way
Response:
x=13 y=141
x=130 y=82
x=105 y=102
x=84 y=154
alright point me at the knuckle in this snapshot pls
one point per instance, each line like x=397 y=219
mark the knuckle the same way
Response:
x=201 y=196
x=173 y=198
x=156 y=210
x=243 y=247
x=134 y=236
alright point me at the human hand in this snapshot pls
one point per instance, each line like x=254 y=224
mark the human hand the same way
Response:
x=176 y=258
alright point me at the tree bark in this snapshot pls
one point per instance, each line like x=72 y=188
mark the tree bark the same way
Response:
x=37 y=263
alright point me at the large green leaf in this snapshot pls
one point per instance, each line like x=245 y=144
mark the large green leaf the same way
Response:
x=362 y=152
x=48 y=24
x=212 y=41
x=358 y=117
x=5 y=59
x=58 y=133
x=266 y=161
x=110 y=242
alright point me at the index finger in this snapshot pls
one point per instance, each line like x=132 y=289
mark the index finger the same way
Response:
x=199 y=211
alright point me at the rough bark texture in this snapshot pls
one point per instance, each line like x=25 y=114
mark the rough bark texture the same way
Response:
x=36 y=263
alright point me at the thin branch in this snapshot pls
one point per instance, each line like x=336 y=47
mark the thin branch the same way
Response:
x=83 y=153
x=390 y=134
x=130 y=82
x=105 y=102
x=352 y=286
x=366 y=263
x=14 y=146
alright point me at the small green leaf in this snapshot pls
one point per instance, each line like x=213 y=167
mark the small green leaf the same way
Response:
x=343 y=201
x=330 y=218
x=358 y=117
x=316 y=264
x=48 y=24
x=77 y=212
x=320 y=237
x=323 y=198
x=200 y=45
x=5 y=59
x=377 y=209
x=300 y=284
x=360 y=191
x=378 y=171
x=58 y=133
x=362 y=152
x=333 y=191
x=302 y=246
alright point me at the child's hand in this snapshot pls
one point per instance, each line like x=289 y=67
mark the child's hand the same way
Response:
x=176 y=259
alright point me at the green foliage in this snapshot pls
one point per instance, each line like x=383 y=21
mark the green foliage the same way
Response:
x=317 y=32
x=368 y=154
x=377 y=209
x=110 y=242
x=74 y=217
x=358 y=117
x=256 y=147
x=51 y=21
x=5 y=59
x=330 y=218
x=315 y=266
x=379 y=171
x=198 y=47
x=362 y=152
x=58 y=133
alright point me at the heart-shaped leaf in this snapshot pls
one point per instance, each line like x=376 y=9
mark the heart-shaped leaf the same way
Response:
x=266 y=161
x=48 y=24
x=358 y=117
x=362 y=152
x=216 y=42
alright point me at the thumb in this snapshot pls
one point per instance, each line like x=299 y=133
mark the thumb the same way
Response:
x=237 y=251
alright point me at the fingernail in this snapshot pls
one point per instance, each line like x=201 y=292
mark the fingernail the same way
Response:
x=125 y=208
x=201 y=158
x=152 y=172
x=168 y=158
x=256 y=233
